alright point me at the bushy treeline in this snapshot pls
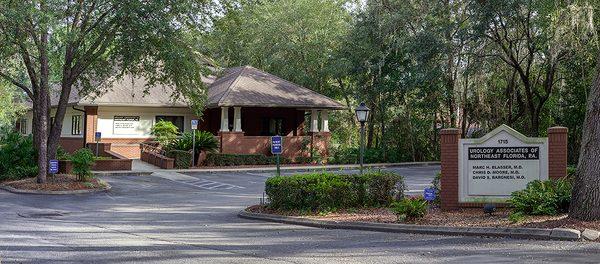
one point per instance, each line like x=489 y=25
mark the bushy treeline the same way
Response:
x=423 y=65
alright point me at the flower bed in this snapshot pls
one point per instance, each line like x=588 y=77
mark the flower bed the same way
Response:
x=115 y=162
x=59 y=182
x=468 y=217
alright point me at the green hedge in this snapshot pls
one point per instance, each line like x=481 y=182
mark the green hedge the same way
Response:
x=328 y=191
x=218 y=159
x=18 y=157
x=182 y=158
x=548 y=197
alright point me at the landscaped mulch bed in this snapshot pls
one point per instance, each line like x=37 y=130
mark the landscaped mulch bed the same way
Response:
x=59 y=182
x=469 y=217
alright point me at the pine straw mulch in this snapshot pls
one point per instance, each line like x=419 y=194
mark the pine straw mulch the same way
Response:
x=58 y=182
x=468 y=217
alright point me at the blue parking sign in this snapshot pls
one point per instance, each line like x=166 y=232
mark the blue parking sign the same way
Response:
x=194 y=124
x=429 y=194
x=276 y=145
x=53 y=166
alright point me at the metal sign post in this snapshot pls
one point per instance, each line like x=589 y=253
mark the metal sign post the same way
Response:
x=194 y=128
x=277 y=149
x=97 y=137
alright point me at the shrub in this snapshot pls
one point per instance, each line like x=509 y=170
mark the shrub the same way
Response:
x=549 y=197
x=219 y=159
x=205 y=141
x=82 y=160
x=410 y=208
x=329 y=191
x=384 y=187
x=165 y=132
x=571 y=170
x=182 y=158
x=516 y=217
x=350 y=155
x=62 y=154
x=18 y=157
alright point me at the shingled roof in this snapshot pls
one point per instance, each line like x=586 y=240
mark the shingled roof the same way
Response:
x=240 y=86
x=249 y=87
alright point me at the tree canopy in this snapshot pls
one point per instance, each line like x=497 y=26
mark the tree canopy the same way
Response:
x=50 y=46
x=424 y=65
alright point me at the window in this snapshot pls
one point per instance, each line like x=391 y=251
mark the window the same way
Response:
x=176 y=120
x=272 y=126
x=23 y=126
x=76 y=125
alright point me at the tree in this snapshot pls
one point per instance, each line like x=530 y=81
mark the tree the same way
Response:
x=48 y=47
x=294 y=39
x=10 y=107
x=585 y=204
x=531 y=38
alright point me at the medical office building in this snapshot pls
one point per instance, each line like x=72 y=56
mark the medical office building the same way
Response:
x=245 y=107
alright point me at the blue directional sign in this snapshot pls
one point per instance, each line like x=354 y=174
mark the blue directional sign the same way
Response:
x=98 y=136
x=53 y=166
x=276 y=145
x=429 y=194
x=194 y=124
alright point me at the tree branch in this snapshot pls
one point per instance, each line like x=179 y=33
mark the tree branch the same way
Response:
x=18 y=84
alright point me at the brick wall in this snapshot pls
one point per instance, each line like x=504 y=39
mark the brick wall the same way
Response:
x=449 y=181
x=91 y=123
x=71 y=144
x=128 y=147
x=557 y=152
x=238 y=143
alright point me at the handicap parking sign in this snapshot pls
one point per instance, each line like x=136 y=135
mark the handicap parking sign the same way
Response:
x=429 y=194
x=276 y=145
x=53 y=167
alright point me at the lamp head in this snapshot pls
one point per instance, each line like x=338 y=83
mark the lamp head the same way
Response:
x=362 y=113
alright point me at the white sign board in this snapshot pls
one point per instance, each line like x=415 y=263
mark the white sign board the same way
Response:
x=499 y=163
x=126 y=125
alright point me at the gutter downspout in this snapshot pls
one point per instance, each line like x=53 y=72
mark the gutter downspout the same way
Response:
x=84 y=125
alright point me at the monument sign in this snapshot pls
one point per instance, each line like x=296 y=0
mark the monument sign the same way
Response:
x=499 y=163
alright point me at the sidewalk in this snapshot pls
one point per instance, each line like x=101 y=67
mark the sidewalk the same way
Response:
x=140 y=168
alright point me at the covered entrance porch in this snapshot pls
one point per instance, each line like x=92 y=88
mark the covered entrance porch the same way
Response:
x=247 y=106
x=248 y=130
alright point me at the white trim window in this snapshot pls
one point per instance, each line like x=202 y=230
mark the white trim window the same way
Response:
x=23 y=126
x=76 y=125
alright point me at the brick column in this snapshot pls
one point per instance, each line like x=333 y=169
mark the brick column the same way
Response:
x=231 y=143
x=449 y=155
x=557 y=152
x=91 y=123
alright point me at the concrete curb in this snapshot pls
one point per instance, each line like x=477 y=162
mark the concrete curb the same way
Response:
x=19 y=191
x=121 y=173
x=522 y=233
x=270 y=168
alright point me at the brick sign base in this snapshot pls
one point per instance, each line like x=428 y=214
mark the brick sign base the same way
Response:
x=557 y=164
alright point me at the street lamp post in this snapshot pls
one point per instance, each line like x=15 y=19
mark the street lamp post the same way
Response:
x=362 y=115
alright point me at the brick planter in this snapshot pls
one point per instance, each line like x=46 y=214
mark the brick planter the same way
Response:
x=151 y=154
x=118 y=163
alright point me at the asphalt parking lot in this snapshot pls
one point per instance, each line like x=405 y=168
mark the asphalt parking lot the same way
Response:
x=192 y=219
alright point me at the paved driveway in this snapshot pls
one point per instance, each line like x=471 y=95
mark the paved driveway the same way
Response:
x=192 y=219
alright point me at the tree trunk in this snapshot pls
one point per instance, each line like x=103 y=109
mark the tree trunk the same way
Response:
x=43 y=97
x=54 y=135
x=585 y=204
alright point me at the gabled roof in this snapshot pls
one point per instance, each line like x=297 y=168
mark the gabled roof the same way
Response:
x=249 y=87
x=240 y=86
